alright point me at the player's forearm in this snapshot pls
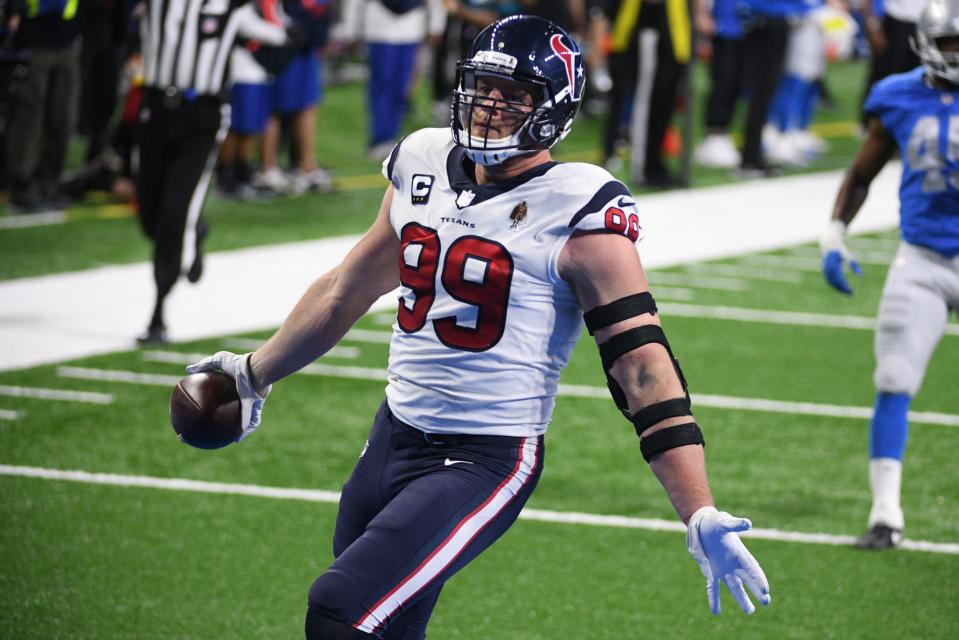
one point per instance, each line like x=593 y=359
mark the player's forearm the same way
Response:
x=647 y=376
x=322 y=316
x=852 y=194
x=682 y=472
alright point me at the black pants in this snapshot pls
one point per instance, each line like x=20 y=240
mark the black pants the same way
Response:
x=725 y=81
x=898 y=56
x=40 y=123
x=178 y=143
x=648 y=74
x=100 y=62
x=765 y=43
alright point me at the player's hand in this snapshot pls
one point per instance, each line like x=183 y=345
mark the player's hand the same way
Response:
x=835 y=255
x=238 y=368
x=712 y=539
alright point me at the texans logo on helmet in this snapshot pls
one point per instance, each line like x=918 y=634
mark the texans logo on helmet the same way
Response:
x=570 y=58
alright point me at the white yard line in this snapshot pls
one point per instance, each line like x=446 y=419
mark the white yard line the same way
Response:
x=696 y=282
x=365 y=335
x=106 y=375
x=574 y=390
x=332 y=497
x=863 y=256
x=246 y=344
x=37 y=393
x=8 y=414
x=796 y=318
x=675 y=293
x=745 y=273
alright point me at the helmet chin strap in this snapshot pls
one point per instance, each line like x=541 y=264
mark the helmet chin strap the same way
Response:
x=493 y=157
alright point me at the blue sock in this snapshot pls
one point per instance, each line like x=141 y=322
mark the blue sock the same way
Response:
x=777 y=113
x=890 y=425
x=807 y=105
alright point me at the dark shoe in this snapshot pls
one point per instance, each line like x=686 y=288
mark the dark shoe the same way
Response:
x=154 y=336
x=879 y=537
x=28 y=208
x=196 y=269
x=661 y=181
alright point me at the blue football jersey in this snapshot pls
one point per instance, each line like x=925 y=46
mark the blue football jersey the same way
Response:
x=924 y=120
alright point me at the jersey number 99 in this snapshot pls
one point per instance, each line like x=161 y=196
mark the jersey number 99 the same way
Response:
x=475 y=271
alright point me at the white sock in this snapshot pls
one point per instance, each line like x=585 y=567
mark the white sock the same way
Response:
x=885 y=476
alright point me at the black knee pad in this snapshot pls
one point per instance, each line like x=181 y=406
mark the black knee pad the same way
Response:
x=321 y=627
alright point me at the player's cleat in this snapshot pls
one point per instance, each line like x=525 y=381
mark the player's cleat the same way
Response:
x=153 y=336
x=879 y=537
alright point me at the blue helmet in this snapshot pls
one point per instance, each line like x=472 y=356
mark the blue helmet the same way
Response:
x=538 y=58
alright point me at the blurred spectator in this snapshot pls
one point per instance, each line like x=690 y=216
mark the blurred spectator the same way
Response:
x=112 y=169
x=727 y=54
x=651 y=44
x=254 y=65
x=251 y=64
x=766 y=27
x=393 y=31
x=889 y=26
x=43 y=107
x=465 y=19
x=569 y=14
x=296 y=92
x=823 y=31
x=104 y=34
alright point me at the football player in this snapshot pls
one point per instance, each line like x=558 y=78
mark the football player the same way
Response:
x=917 y=113
x=497 y=250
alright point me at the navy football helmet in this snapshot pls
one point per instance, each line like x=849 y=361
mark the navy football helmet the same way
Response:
x=518 y=55
x=940 y=19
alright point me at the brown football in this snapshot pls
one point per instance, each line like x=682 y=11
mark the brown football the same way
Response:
x=205 y=410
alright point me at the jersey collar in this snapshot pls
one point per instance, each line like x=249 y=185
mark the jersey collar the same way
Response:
x=461 y=182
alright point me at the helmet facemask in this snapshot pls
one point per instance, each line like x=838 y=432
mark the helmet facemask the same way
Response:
x=939 y=63
x=497 y=116
x=937 y=40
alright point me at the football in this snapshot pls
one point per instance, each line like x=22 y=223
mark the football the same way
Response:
x=205 y=410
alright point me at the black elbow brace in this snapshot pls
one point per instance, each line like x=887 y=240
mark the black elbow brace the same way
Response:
x=670 y=438
x=626 y=341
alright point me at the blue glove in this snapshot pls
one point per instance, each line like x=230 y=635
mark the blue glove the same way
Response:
x=832 y=270
x=832 y=245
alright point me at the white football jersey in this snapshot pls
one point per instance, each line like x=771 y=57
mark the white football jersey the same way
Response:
x=485 y=324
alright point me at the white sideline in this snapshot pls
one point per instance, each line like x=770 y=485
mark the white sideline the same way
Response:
x=54 y=318
x=9 y=414
x=575 y=390
x=332 y=497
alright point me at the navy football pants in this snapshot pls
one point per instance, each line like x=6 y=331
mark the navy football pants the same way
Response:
x=416 y=509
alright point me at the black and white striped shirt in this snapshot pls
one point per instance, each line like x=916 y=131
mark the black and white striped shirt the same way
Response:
x=187 y=43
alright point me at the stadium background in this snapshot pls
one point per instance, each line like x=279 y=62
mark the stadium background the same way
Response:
x=118 y=557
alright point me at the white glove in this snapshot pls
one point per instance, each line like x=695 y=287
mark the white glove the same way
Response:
x=238 y=368
x=721 y=555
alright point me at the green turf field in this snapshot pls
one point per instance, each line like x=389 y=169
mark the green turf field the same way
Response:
x=103 y=561
x=89 y=561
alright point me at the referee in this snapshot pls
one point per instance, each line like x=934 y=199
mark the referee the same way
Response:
x=184 y=116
